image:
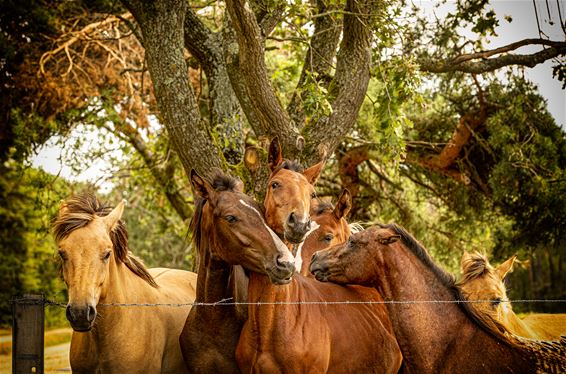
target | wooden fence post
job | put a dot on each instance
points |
(27, 334)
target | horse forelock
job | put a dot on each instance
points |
(78, 211)
(475, 266)
(224, 182)
(289, 165)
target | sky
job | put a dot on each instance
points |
(51, 156)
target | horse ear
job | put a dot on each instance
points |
(344, 204)
(275, 156)
(505, 268)
(466, 257)
(112, 219)
(389, 239)
(313, 172)
(201, 187)
(239, 185)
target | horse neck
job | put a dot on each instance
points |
(404, 277)
(219, 281)
(123, 286)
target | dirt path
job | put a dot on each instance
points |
(56, 357)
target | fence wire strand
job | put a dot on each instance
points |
(230, 302)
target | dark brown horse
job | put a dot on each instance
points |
(289, 194)
(435, 337)
(228, 231)
(289, 333)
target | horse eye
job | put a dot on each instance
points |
(107, 256)
(495, 302)
(275, 185)
(313, 195)
(62, 254)
(231, 219)
(328, 237)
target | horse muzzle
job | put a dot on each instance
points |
(81, 317)
(282, 272)
(296, 230)
(319, 268)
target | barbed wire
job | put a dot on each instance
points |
(230, 302)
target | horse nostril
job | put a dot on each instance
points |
(314, 257)
(90, 313)
(292, 219)
(69, 314)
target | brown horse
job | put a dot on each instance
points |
(289, 333)
(289, 194)
(443, 336)
(228, 230)
(330, 227)
(481, 281)
(98, 269)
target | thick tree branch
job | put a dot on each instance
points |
(273, 119)
(319, 58)
(225, 110)
(162, 25)
(465, 63)
(350, 83)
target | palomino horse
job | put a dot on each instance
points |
(481, 281)
(228, 230)
(288, 197)
(290, 330)
(435, 333)
(99, 269)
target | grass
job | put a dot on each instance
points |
(52, 337)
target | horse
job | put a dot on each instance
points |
(290, 330)
(290, 191)
(481, 281)
(231, 237)
(98, 270)
(436, 332)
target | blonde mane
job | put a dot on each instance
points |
(78, 211)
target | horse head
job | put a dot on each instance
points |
(236, 230)
(91, 239)
(290, 191)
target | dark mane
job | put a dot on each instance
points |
(485, 322)
(420, 251)
(223, 182)
(289, 165)
(78, 211)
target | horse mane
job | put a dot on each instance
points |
(78, 211)
(474, 267)
(486, 323)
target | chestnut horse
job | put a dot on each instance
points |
(228, 231)
(442, 336)
(288, 332)
(99, 269)
(289, 194)
(481, 281)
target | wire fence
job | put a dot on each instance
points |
(231, 302)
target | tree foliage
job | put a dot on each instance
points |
(409, 115)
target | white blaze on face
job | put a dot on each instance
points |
(298, 257)
(286, 255)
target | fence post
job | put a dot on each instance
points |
(27, 334)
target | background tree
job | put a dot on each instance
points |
(410, 116)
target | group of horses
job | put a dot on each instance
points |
(287, 287)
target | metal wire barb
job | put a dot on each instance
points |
(229, 302)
